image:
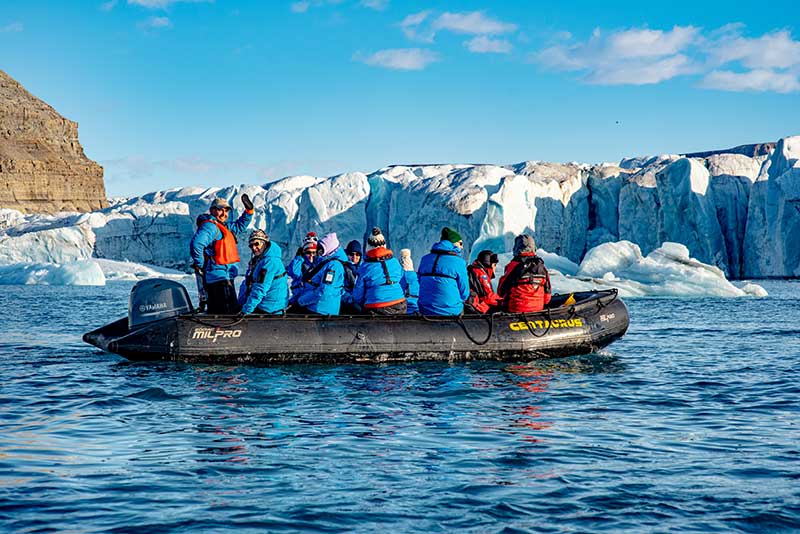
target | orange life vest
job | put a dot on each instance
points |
(225, 249)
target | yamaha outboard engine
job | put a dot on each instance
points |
(155, 299)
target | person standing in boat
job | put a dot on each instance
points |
(443, 281)
(525, 286)
(301, 264)
(409, 282)
(353, 253)
(482, 297)
(264, 289)
(215, 254)
(324, 283)
(377, 288)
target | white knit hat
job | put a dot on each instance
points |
(376, 239)
(405, 260)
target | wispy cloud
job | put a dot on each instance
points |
(637, 56)
(156, 23)
(424, 26)
(303, 6)
(164, 4)
(399, 58)
(775, 50)
(474, 23)
(486, 45)
(300, 7)
(378, 5)
(757, 80)
(725, 58)
(14, 27)
(108, 6)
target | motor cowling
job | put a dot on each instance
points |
(155, 299)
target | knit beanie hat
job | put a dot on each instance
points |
(310, 242)
(353, 247)
(328, 244)
(405, 260)
(524, 244)
(258, 235)
(487, 258)
(450, 235)
(376, 239)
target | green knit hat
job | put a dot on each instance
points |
(450, 235)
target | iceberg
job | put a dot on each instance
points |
(76, 273)
(737, 213)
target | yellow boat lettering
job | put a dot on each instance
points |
(543, 324)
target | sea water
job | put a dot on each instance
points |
(690, 423)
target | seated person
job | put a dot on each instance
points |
(353, 253)
(324, 283)
(264, 289)
(482, 297)
(377, 288)
(301, 264)
(525, 286)
(409, 282)
(443, 282)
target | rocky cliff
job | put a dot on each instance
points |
(42, 164)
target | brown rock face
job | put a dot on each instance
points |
(42, 164)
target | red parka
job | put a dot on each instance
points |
(525, 286)
(481, 293)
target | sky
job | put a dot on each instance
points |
(174, 93)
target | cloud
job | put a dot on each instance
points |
(400, 58)
(300, 7)
(411, 26)
(725, 58)
(423, 27)
(637, 56)
(108, 6)
(164, 4)
(486, 45)
(156, 23)
(758, 80)
(14, 27)
(474, 23)
(378, 5)
(772, 50)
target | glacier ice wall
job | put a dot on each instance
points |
(737, 213)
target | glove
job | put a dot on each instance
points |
(198, 270)
(248, 204)
(299, 251)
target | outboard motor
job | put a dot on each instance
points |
(155, 299)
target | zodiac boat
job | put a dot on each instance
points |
(163, 325)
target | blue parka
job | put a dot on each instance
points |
(201, 248)
(443, 280)
(265, 288)
(410, 284)
(296, 270)
(372, 289)
(323, 293)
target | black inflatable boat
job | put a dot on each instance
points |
(162, 325)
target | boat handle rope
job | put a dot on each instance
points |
(546, 330)
(490, 322)
(193, 318)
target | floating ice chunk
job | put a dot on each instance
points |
(755, 290)
(558, 263)
(609, 257)
(77, 273)
(126, 270)
(667, 271)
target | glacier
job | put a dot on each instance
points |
(733, 212)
